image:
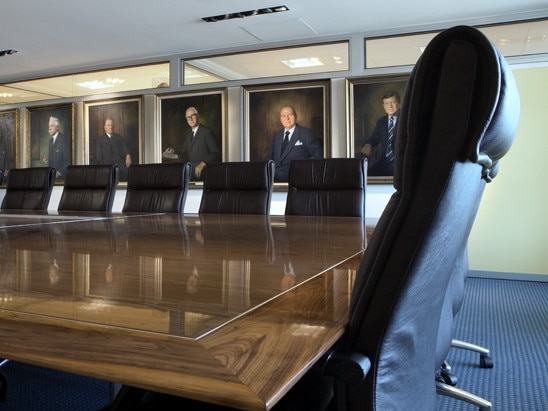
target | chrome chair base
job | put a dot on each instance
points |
(460, 394)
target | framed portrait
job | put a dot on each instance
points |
(45, 123)
(369, 121)
(262, 112)
(9, 139)
(174, 128)
(114, 133)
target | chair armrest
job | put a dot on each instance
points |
(351, 367)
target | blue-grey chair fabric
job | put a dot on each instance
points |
(327, 186)
(29, 188)
(157, 187)
(238, 188)
(89, 188)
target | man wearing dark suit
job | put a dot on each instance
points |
(291, 143)
(59, 153)
(110, 148)
(380, 147)
(199, 145)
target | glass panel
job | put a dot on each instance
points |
(517, 39)
(87, 84)
(321, 58)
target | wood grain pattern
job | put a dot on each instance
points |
(227, 309)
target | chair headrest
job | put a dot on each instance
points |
(462, 88)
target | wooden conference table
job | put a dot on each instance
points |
(222, 308)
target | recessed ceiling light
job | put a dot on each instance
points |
(95, 85)
(242, 14)
(304, 62)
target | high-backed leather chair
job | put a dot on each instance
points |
(498, 99)
(29, 188)
(327, 186)
(157, 187)
(89, 188)
(238, 188)
(458, 119)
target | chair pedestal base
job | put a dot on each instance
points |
(460, 394)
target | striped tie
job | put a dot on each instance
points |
(286, 140)
(389, 152)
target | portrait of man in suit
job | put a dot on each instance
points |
(305, 108)
(292, 142)
(7, 138)
(374, 115)
(380, 147)
(199, 146)
(51, 131)
(59, 153)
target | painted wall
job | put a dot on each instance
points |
(511, 229)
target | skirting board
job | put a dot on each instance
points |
(507, 276)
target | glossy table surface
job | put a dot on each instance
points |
(222, 308)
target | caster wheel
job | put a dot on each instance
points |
(486, 361)
(448, 378)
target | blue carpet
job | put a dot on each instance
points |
(510, 318)
(33, 388)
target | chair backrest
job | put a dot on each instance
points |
(160, 188)
(327, 186)
(89, 188)
(458, 118)
(238, 188)
(1, 176)
(29, 188)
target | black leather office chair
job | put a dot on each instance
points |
(157, 187)
(238, 188)
(1, 176)
(327, 186)
(29, 188)
(499, 100)
(458, 118)
(89, 188)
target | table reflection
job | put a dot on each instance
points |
(167, 273)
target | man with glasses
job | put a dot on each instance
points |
(380, 147)
(199, 145)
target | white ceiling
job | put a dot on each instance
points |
(63, 36)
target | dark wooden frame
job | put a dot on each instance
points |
(171, 116)
(38, 137)
(9, 140)
(262, 113)
(365, 108)
(127, 116)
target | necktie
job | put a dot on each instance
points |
(389, 153)
(286, 140)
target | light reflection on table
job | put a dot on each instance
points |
(214, 286)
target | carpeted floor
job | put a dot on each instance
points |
(509, 317)
(33, 388)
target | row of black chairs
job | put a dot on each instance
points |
(333, 186)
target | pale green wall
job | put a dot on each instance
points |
(511, 229)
